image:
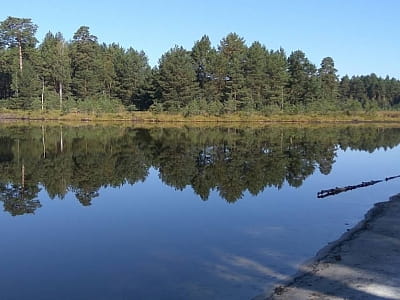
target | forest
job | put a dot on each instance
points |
(228, 161)
(83, 75)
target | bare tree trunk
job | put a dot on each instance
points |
(43, 142)
(23, 176)
(61, 139)
(61, 94)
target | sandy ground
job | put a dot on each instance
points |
(363, 264)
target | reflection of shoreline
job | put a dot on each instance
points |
(231, 161)
(279, 122)
(362, 264)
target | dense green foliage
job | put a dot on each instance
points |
(227, 160)
(83, 75)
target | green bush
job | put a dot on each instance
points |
(371, 106)
(195, 108)
(157, 108)
(215, 108)
(352, 105)
(294, 109)
(230, 106)
(102, 104)
(51, 101)
(269, 110)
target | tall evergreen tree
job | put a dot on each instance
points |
(107, 74)
(376, 90)
(18, 32)
(358, 90)
(177, 78)
(328, 79)
(28, 87)
(204, 59)
(7, 69)
(232, 50)
(55, 64)
(132, 71)
(201, 55)
(255, 69)
(85, 64)
(344, 88)
(278, 76)
(128, 74)
(392, 90)
(302, 79)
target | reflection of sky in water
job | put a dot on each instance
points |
(149, 241)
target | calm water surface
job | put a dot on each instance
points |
(216, 213)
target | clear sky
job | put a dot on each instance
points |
(362, 36)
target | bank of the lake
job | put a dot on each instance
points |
(137, 116)
(362, 264)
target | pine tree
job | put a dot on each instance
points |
(232, 50)
(255, 69)
(129, 74)
(18, 32)
(278, 76)
(55, 64)
(357, 89)
(328, 79)
(204, 59)
(177, 79)
(138, 71)
(7, 70)
(107, 74)
(201, 55)
(303, 86)
(85, 64)
(28, 87)
(344, 88)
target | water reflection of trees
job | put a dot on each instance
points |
(230, 161)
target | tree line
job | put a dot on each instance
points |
(229, 161)
(82, 74)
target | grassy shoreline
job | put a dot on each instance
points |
(146, 117)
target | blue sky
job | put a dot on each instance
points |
(361, 35)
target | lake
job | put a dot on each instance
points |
(117, 212)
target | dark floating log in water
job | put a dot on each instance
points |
(338, 190)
